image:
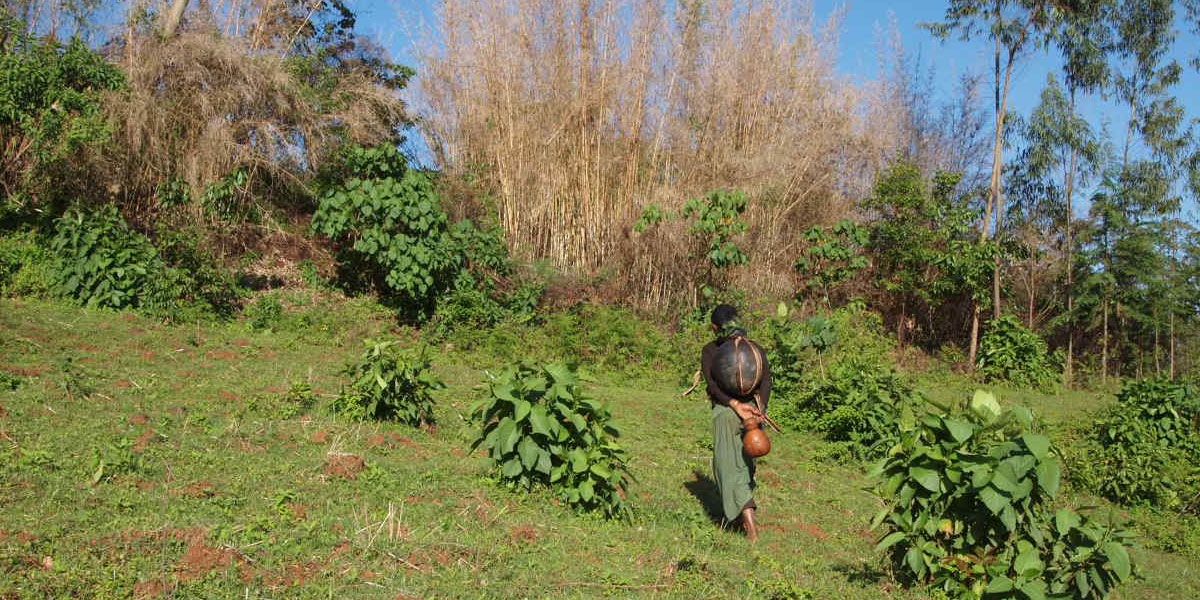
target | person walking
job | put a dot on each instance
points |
(732, 468)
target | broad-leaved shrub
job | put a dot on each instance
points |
(541, 430)
(1011, 353)
(389, 383)
(970, 511)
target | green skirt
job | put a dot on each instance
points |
(733, 470)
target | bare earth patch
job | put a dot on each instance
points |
(344, 465)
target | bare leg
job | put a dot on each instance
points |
(750, 524)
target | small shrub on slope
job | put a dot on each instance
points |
(102, 263)
(1145, 450)
(1012, 353)
(541, 431)
(969, 511)
(389, 383)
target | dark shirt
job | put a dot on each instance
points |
(716, 394)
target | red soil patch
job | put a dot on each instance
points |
(440, 557)
(124, 384)
(23, 371)
(128, 317)
(220, 354)
(227, 395)
(768, 478)
(299, 511)
(200, 559)
(458, 452)
(407, 443)
(3, 413)
(377, 440)
(88, 348)
(148, 356)
(198, 489)
(268, 354)
(291, 575)
(144, 485)
(320, 437)
(327, 356)
(344, 465)
(143, 440)
(524, 534)
(151, 589)
(813, 531)
(273, 389)
(137, 330)
(139, 419)
(186, 374)
(23, 537)
(241, 343)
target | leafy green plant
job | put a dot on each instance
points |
(830, 257)
(8, 381)
(298, 400)
(199, 287)
(101, 262)
(390, 231)
(1012, 353)
(50, 108)
(26, 266)
(389, 383)
(1145, 450)
(857, 402)
(114, 459)
(265, 313)
(541, 430)
(969, 510)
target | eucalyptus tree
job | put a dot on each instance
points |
(1016, 27)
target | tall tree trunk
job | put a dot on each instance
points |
(974, 347)
(1032, 291)
(1104, 349)
(174, 16)
(1070, 251)
(1172, 346)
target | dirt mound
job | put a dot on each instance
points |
(200, 559)
(344, 465)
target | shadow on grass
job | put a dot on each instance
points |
(705, 490)
(862, 574)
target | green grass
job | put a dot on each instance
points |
(200, 497)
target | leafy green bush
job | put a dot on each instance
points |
(298, 400)
(857, 402)
(26, 266)
(50, 108)
(202, 288)
(1145, 450)
(389, 383)
(265, 313)
(102, 263)
(604, 338)
(1012, 353)
(540, 430)
(390, 230)
(830, 257)
(831, 375)
(969, 510)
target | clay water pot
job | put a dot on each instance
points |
(737, 366)
(755, 441)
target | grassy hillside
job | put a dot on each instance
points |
(146, 460)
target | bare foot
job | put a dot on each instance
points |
(750, 525)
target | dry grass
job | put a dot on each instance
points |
(579, 114)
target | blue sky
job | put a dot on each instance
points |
(398, 24)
